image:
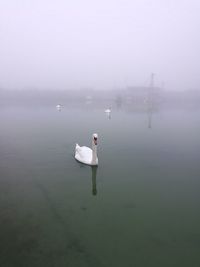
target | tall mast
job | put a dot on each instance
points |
(152, 80)
(151, 90)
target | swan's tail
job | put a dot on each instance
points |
(77, 147)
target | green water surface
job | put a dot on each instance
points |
(140, 207)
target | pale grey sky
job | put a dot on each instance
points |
(99, 44)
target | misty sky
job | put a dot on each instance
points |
(99, 44)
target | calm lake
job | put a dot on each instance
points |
(140, 207)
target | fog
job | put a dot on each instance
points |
(99, 44)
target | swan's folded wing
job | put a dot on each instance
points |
(85, 152)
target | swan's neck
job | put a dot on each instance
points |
(94, 153)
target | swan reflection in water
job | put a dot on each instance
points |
(108, 115)
(94, 176)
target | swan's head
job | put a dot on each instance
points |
(94, 138)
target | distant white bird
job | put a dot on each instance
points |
(87, 155)
(108, 113)
(108, 110)
(58, 107)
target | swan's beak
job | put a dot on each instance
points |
(95, 141)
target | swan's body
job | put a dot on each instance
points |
(87, 155)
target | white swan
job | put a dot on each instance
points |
(108, 110)
(87, 155)
(59, 107)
